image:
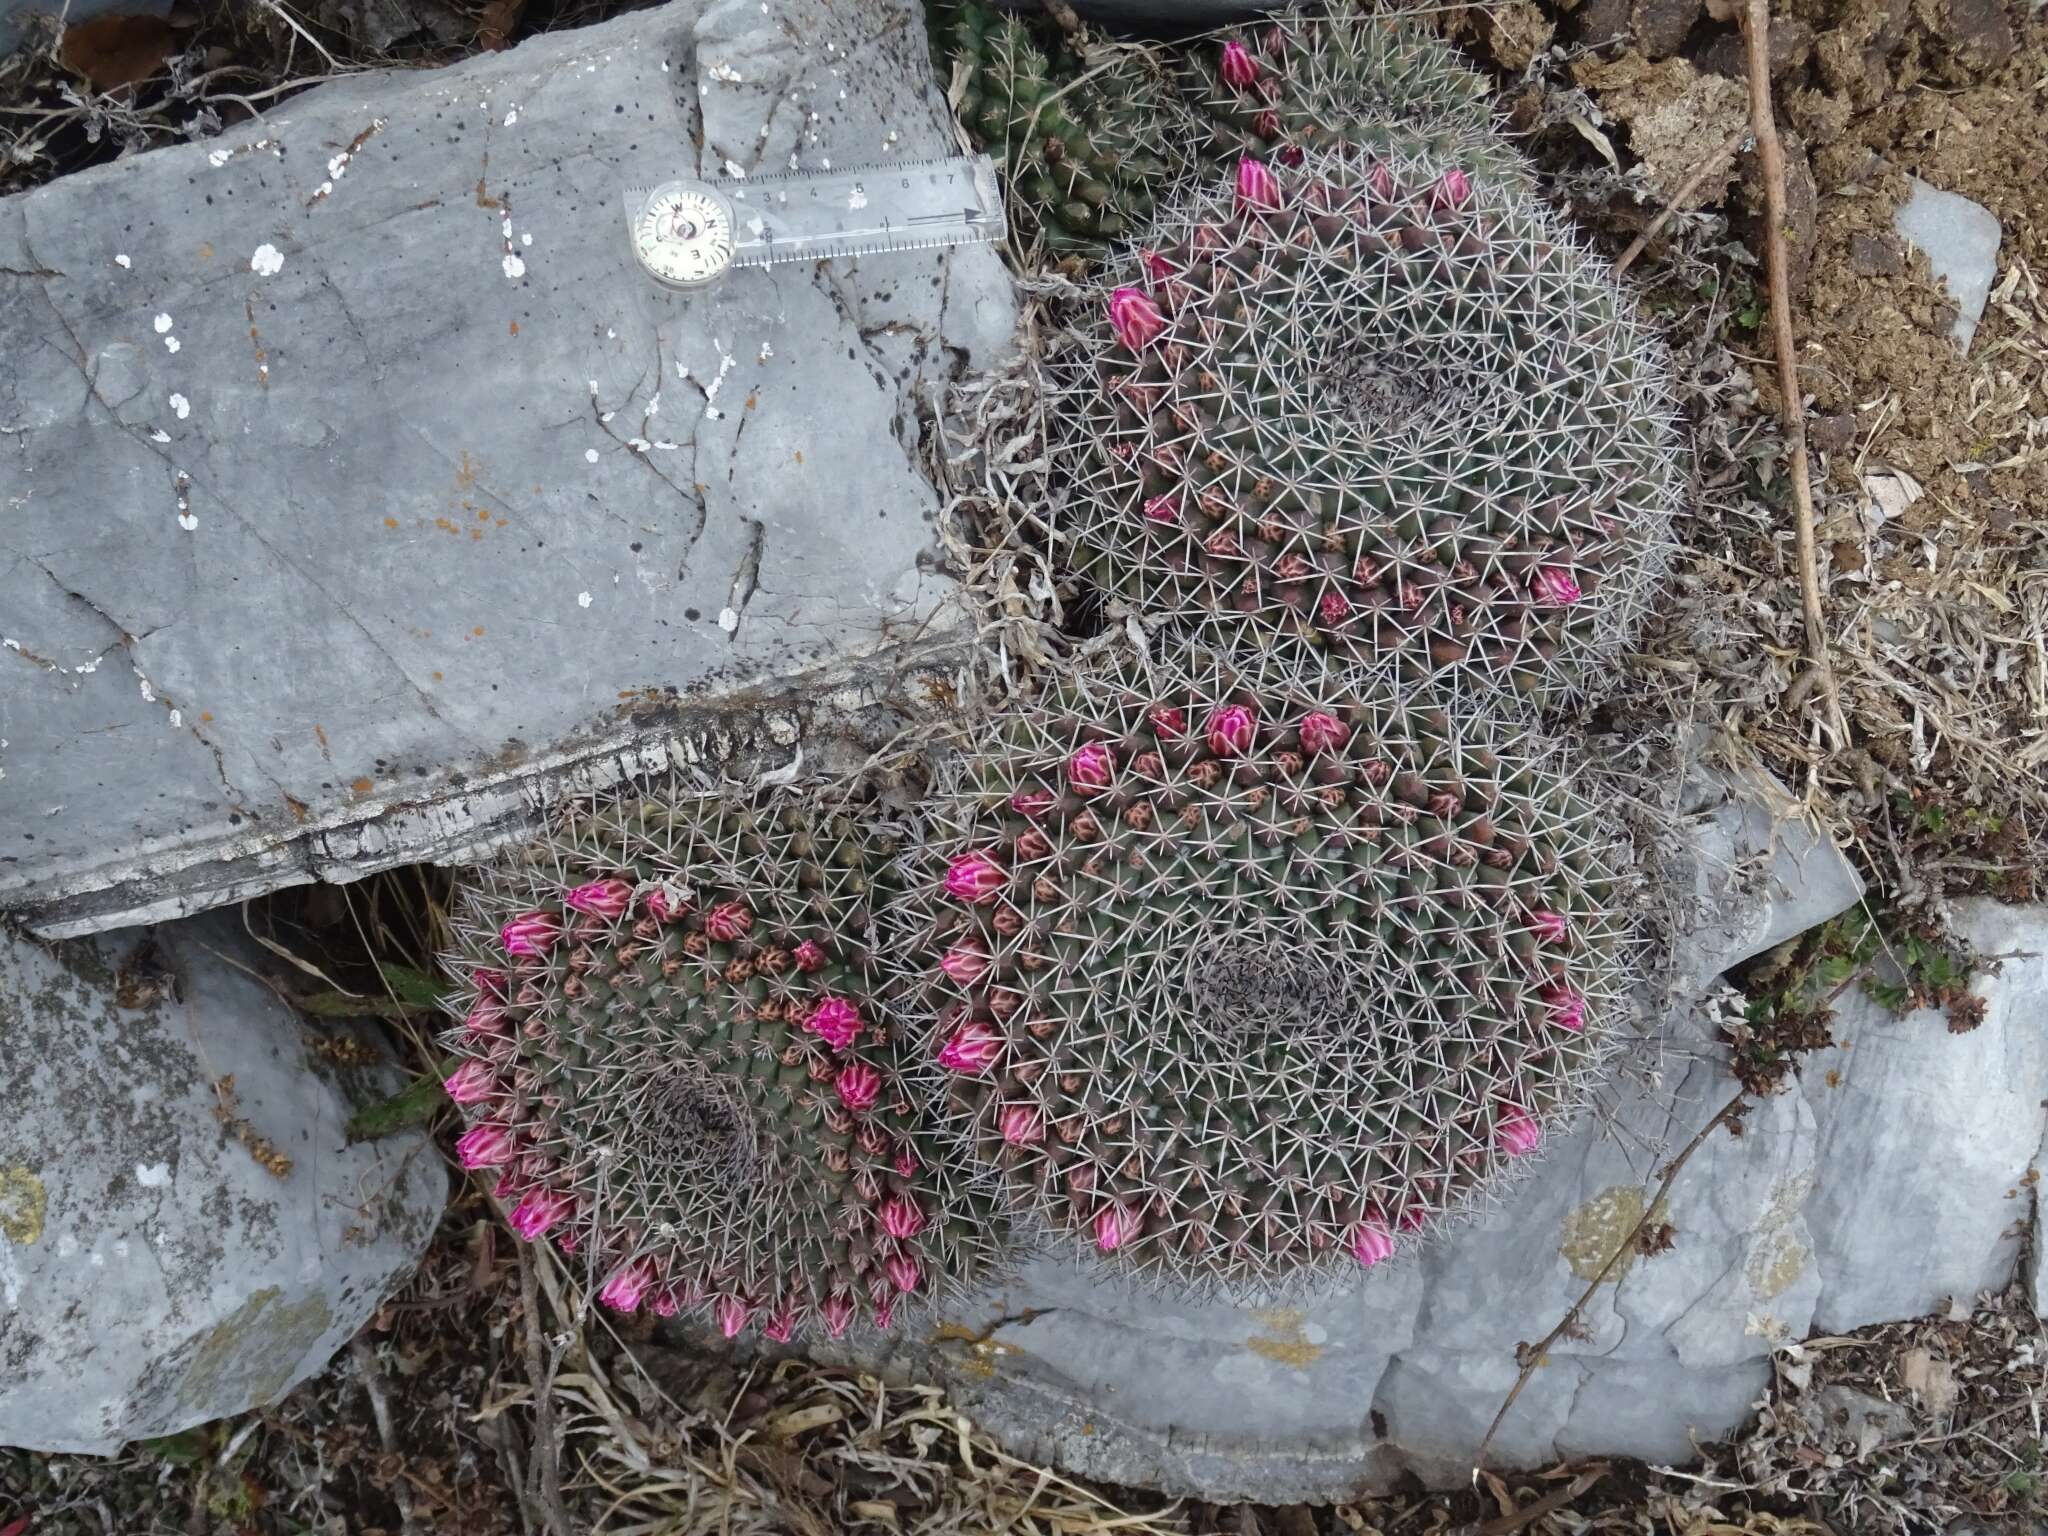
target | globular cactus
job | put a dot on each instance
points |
(1377, 408)
(673, 1052)
(1240, 976)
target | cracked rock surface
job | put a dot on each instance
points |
(184, 1233)
(350, 467)
(1892, 1173)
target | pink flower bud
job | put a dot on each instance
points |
(1556, 586)
(965, 963)
(1167, 721)
(973, 1048)
(1157, 267)
(729, 920)
(534, 934)
(1114, 1226)
(1550, 926)
(1031, 802)
(1290, 155)
(1275, 41)
(1322, 732)
(885, 1313)
(975, 878)
(1414, 1216)
(838, 1313)
(1240, 69)
(486, 1016)
(902, 1217)
(1135, 318)
(904, 1273)
(1334, 609)
(1371, 1243)
(858, 1086)
(731, 1314)
(510, 1185)
(471, 1083)
(489, 983)
(1267, 124)
(809, 956)
(1381, 180)
(629, 1282)
(1163, 509)
(1091, 768)
(1451, 190)
(1256, 188)
(600, 898)
(537, 1211)
(1231, 730)
(1022, 1125)
(484, 1145)
(1516, 1132)
(781, 1325)
(667, 1302)
(665, 906)
(569, 1240)
(835, 1021)
(1567, 1008)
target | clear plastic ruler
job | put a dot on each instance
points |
(689, 234)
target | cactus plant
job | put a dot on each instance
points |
(1373, 406)
(1239, 974)
(672, 1051)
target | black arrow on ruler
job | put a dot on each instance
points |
(964, 216)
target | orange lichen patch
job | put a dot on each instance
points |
(437, 677)
(296, 806)
(483, 514)
(206, 250)
(320, 735)
(445, 526)
(515, 327)
(752, 401)
(206, 717)
(798, 455)
(465, 472)
(360, 786)
(390, 522)
(478, 631)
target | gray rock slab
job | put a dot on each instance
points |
(354, 481)
(1960, 239)
(1888, 1174)
(154, 1273)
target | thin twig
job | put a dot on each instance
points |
(364, 1353)
(1549, 1504)
(547, 1445)
(1532, 1357)
(1690, 185)
(1756, 33)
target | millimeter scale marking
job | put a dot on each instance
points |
(688, 234)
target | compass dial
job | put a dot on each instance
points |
(682, 235)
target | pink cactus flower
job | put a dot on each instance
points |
(1516, 1131)
(1323, 732)
(1091, 768)
(471, 1083)
(1031, 802)
(1240, 69)
(904, 1272)
(965, 963)
(538, 1210)
(1550, 926)
(1232, 729)
(1256, 188)
(1451, 190)
(902, 1217)
(1334, 609)
(1556, 586)
(600, 898)
(858, 1086)
(1567, 1008)
(628, 1283)
(731, 1314)
(1371, 1243)
(835, 1021)
(532, 935)
(1163, 509)
(972, 1049)
(1022, 1125)
(1114, 1226)
(1135, 318)
(781, 1325)
(486, 1144)
(838, 1312)
(976, 879)
(665, 906)
(486, 1016)
(1167, 721)
(729, 920)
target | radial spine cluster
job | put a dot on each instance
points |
(1233, 971)
(673, 1052)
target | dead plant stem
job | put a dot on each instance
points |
(1686, 189)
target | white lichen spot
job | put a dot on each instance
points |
(606, 416)
(181, 406)
(826, 161)
(610, 334)
(527, 238)
(267, 261)
(148, 693)
(188, 521)
(123, 263)
(725, 72)
(732, 169)
(663, 445)
(153, 1175)
(323, 190)
(590, 455)
(582, 599)
(857, 198)
(337, 166)
(220, 157)
(756, 225)
(177, 719)
(515, 267)
(162, 323)
(766, 352)
(171, 343)
(512, 117)
(638, 444)
(159, 435)
(654, 403)
(728, 620)
(682, 370)
(506, 226)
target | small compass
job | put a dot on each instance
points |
(682, 234)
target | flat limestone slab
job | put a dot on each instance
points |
(353, 482)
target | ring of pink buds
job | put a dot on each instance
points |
(676, 1064)
(1234, 974)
